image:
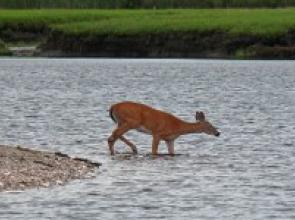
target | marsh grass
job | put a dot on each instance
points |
(3, 49)
(265, 22)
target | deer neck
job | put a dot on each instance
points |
(188, 128)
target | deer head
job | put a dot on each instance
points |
(206, 126)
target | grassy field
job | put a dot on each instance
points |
(231, 20)
(93, 31)
(113, 22)
(26, 4)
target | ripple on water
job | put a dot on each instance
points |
(247, 173)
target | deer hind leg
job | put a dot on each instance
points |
(170, 146)
(117, 133)
(131, 145)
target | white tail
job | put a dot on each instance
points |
(161, 125)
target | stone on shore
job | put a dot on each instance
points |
(23, 168)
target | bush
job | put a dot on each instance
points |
(3, 49)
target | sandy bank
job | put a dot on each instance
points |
(22, 168)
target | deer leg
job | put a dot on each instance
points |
(170, 146)
(131, 145)
(117, 133)
(155, 146)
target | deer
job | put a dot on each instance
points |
(160, 124)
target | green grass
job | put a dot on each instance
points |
(98, 22)
(49, 16)
(3, 49)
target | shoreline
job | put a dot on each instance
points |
(198, 45)
(25, 168)
(175, 33)
(201, 45)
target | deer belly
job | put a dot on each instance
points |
(143, 130)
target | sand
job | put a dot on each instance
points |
(23, 168)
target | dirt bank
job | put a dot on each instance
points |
(23, 168)
(207, 44)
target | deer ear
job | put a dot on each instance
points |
(200, 116)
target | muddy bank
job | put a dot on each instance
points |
(209, 44)
(23, 168)
(206, 44)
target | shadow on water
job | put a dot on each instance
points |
(131, 156)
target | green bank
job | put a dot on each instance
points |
(3, 49)
(214, 33)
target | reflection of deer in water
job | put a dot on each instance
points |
(161, 125)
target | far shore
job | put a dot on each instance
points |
(173, 33)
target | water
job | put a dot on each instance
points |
(247, 173)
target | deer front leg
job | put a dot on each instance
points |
(155, 146)
(117, 133)
(131, 145)
(170, 146)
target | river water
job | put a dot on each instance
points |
(246, 173)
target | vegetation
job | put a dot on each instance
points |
(237, 29)
(253, 22)
(236, 21)
(143, 3)
(3, 49)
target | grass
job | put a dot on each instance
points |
(3, 49)
(98, 22)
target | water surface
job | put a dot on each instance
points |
(247, 173)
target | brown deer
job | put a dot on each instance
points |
(161, 125)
